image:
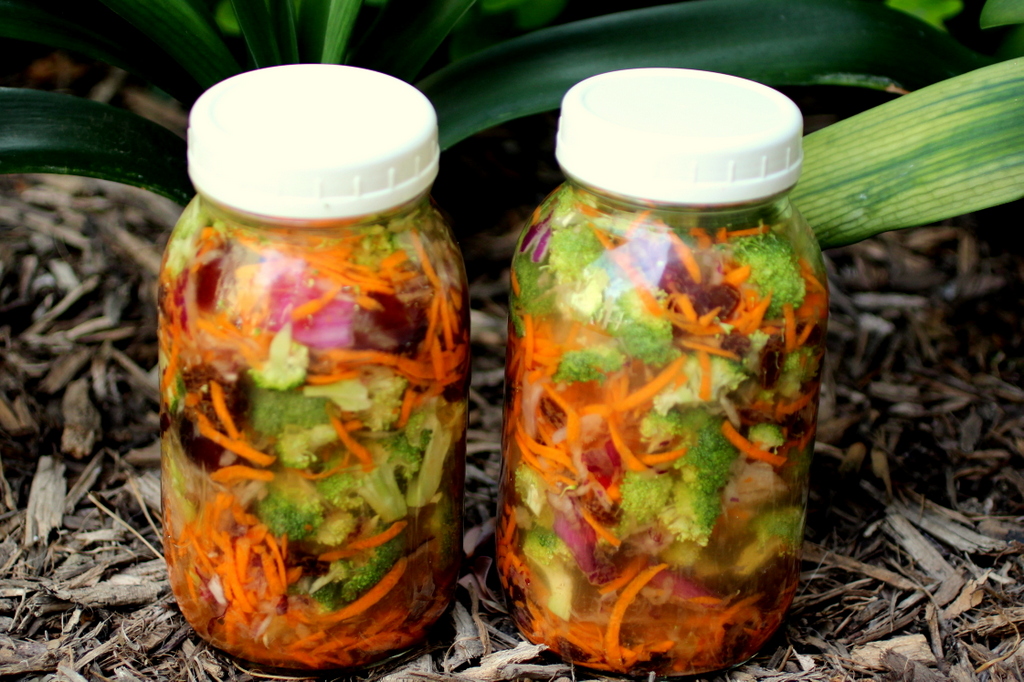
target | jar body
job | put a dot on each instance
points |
(659, 421)
(313, 412)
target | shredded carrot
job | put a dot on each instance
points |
(805, 333)
(374, 595)
(693, 345)
(322, 379)
(721, 235)
(361, 453)
(357, 546)
(408, 401)
(552, 453)
(686, 307)
(515, 282)
(790, 333)
(651, 389)
(601, 531)
(685, 255)
(586, 209)
(238, 472)
(752, 232)
(632, 463)
(310, 308)
(243, 450)
(572, 419)
(428, 268)
(628, 573)
(369, 303)
(800, 403)
(611, 637)
(738, 276)
(528, 340)
(705, 375)
(221, 408)
(703, 240)
(748, 448)
(607, 243)
(663, 457)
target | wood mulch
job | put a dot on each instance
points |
(913, 561)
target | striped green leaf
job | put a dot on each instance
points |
(778, 42)
(1002, 12)
(258, 31)
(282, 14)
(186, 31)
(418, 26)
(945, 150)
(44, 132)
(89, 27)
(325, 27)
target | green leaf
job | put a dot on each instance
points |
(407, 34)
(951, 148)
(282, 13)
(1002, 12)
(87, 26)
(325, 27)
(258, 29)
(186, 31)
(934, 12)
(778, 42)
(44, 132)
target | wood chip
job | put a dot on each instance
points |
(114, 594)
(45, 500)
(467, 646)
(917, 546)
(64, 370)
(1009, 621)
(914, 647)
(508, 664)
(819, 555)
(81, 420)
(18, 656)
(971, 597)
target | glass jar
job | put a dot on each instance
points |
(661, 382)
(314, 355)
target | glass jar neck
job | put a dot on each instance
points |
(241, 218)
(769, 210)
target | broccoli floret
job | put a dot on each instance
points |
(798, 368)
(297, 446)
(589, 364)
(291, 508)
(766, 436)
(380, 490)
(286, 363)
(348, 579)
(351, 395)
(181, 247)
(445, 420)
(531, 489)
(385, 390)
(336, 528)
(376, 245)
(773, 269)
(416, 429)
(644, 494)
(271, 411)
(341, 490)
(396, 449)
(552, 561)
(643, 335)
(571, 250)
(703, 471)
(535, 294)
(786, 524)
(726, 376)
(662, 429)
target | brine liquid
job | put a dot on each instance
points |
(714, 428)
(313, 432)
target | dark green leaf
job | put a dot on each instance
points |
(325, 27)
(934, 12)
(779, 42)
(44, 132)
(1002, 12)
(89, 27)
(258, 29)
(951, 148)
(186, 31)
(407, 34)
(282, 13)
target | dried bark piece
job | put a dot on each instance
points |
(81, 420)
(510, 664)
(906, 669)
(913, 647)
(20, 656)
(45, 500)
(114, 593)
(918, 547)
(64, 370)
(467, 645)
(817, 554)
(15, 419)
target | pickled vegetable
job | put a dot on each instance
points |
(663, 372)
(314, 392)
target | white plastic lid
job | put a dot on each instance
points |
(680, 136)
(312, 141)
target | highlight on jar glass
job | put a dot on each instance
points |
(314, 354)
(667, 331)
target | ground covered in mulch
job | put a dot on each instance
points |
(913, 561)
